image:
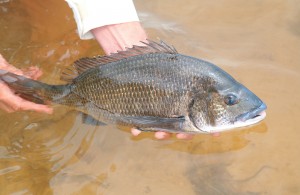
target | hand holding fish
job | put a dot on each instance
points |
(121, 35)
(11, 102)
(164, 135)
(115, 36)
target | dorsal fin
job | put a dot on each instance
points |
(84, 64)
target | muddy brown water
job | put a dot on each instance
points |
(258, 42)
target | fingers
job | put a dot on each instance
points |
(158, 135)
(6, 108)
(11, 68)
(3, 62)
(217, 134)
(10, 102)
(184, 136)
(33, 72)
(16, 103)
(135, 132)
(26, 105)
(163, 135)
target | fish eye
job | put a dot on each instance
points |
(231, 99)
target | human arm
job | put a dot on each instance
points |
(117, 37)
(115, 25)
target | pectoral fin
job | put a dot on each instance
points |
(151, 123)
(87, 119)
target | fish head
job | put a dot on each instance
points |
(225, 105)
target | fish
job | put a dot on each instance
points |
(150, 87)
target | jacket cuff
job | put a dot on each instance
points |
(90, 14)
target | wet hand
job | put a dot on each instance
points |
(117, 37)
(9, 101)
(163, 135)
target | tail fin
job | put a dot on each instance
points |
(32, 90)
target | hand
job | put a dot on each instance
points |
(117, 37)
(163, 135)
(10, 102)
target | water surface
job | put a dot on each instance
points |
(258, 42)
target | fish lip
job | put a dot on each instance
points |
(259, 111)
(252, 117)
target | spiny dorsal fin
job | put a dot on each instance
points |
(84, 64)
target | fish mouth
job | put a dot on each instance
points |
(249, 118)
(253, 116)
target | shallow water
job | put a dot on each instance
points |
(258, 42)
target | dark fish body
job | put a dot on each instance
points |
(151, 88)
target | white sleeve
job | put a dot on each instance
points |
(90, 14)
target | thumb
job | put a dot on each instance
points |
(33, 72)
(26, 105)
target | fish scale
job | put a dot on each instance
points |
(152, 88)
(121, 93)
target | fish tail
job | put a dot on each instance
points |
(32, 90)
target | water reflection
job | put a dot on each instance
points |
(208, 144)
(65, 155)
